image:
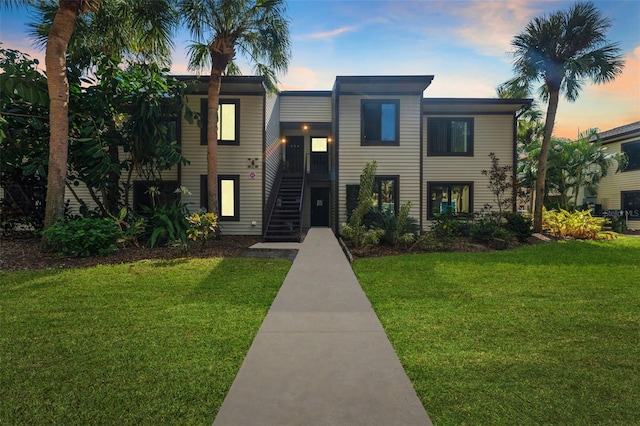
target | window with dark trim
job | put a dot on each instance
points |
(454, 197)
(228, 196)
(450, 136)
(228, 121)
(632, 151)
(380, 122)
(163, 192)
(385, 193)
(631, 204)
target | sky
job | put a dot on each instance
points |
(465, 45)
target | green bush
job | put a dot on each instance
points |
(165, 225)
(83, 237)
(355, 232)
(449, 226)
(203, 227)
(488, 231)
(397, 229)
(520, 226)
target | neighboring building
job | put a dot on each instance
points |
(619, 193)
(273, 148)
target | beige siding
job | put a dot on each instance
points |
(611, 186)
(402, 160)
(312, 109)
(492, 133)
(273, 147)
(232, 160)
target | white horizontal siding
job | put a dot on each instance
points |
(312, 109)
(232, 160)
(492, 133)
(402, 160)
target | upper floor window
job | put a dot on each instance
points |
(380, 122)
(632, 151)
(228, 121)
(450, 136)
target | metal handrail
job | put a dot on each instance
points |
(304, 183)
(273, 197)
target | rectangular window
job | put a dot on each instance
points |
(450, 136)
(385, 193)
(319, 144)
(454, 197)
(631, 203)
(228, 196)
(228, 121)
(380, 122)
(632, 151)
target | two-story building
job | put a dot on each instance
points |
(292, 160)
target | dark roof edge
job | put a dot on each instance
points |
(618, 132)
(494, 101)
(255, 79)
(310, 93)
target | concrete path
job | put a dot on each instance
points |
(321, 356)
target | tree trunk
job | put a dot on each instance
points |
(58, 85)
(542, 159)
(213, 99)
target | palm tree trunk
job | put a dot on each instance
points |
(58, 85)
(213, 98)
(542, 159)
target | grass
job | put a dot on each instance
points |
(145, 343)
(545, 334)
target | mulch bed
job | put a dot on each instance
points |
(22, 252)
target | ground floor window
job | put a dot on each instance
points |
(631, 203)
(228, 196)
(454, 197)
(385, 193)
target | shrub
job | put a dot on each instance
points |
(355, 232)
(398, 229)
(449, 226)
(83, 237)
(165, 225)
(486, 230)
(520, 226)
(579, 224)
(203, 227)
(132, 227)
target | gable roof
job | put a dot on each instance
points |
(617, 133)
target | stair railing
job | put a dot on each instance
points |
(273, 197)
(301, 205)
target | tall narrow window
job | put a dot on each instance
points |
(228, 121)
(450, 136)
(228, 196)
(380, 122)
(632, 151)
(385, 193)
(449, 197)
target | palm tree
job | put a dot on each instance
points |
(258, 29)
(139, 27)
(563, 51)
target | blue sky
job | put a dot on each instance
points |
(464, 44)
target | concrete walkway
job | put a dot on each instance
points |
(321, 356)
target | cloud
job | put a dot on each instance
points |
(330, 34)
(302, 78)
(489, 26)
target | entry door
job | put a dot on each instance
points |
(319, 206)
(295, 154)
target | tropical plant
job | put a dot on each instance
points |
(398, 229)
(501, 184)
(519, 225)
(356, 231)
(203, 227)
(142, 31)
(578, 224)
(574, 165)
(257, 29)
(562, 50)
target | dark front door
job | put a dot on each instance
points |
(319, 206)
(295, 154)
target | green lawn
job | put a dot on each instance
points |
(156, 342)
(546, 334)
